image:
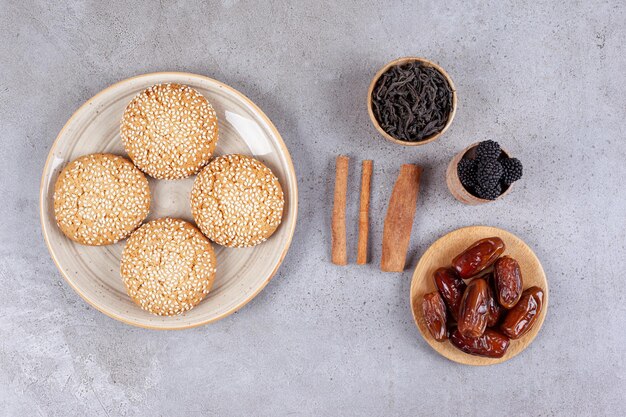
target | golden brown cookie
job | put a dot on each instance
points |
(169, 131)
(168, 266)
(237, 201)
(100, 199)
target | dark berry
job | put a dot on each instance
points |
(467, 172)
(488, 193)
(488, 149)
(488, 173)
(512, 170)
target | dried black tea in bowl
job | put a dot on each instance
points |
(412, 101)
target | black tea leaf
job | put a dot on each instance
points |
(412, 101)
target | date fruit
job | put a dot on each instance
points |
(451, 288)
(478, 257)
(521, 318)
(434, 311)
(508, 281)
(491, 344)
(474, 307)
(494, 310)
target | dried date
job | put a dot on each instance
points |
(494, 310)
(491, 344)
(478, 257)
(474, 307)
(521, 318)
(508, 281)
(434, 311)
(451, 288)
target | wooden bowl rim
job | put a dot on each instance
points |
(467, 359)
(401, 61)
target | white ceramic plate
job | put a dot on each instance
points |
(93, 272)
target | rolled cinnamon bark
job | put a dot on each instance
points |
(339, 254)
(366, 178)
(399, 219)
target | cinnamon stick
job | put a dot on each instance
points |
(399, 219)
(364, 209)
(339, 254)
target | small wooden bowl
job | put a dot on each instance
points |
(454, 183)
(401, 61)
(441, 253)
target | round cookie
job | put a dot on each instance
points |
(169, 131)
(237, 201)
(100, 199)
(168, 266)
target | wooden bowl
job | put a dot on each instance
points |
(401, 61)
(94, 271)
(441, 253)
(454, 183)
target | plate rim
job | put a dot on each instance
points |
(478, 360)
(291, 174)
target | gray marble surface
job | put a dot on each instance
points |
(545, 78)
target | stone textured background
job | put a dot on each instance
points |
(545, 78)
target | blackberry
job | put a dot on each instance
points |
(488, 193)
(488, 173)
(467, 172)
(488, 149)
(512, 170)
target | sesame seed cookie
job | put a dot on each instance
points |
(169, 131)
(237, 201)
(168, 266)
(100, 199)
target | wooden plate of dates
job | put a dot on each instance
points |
(479, 295)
